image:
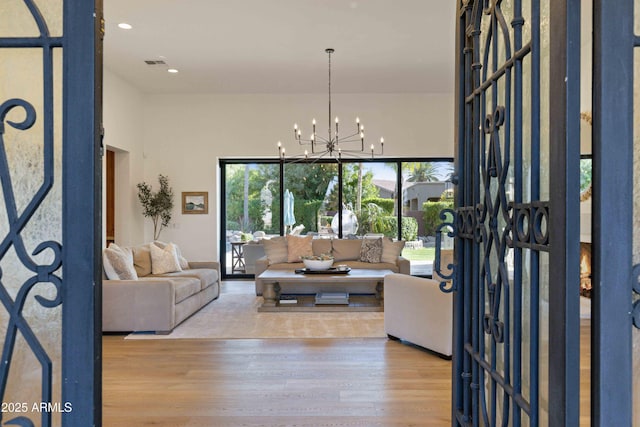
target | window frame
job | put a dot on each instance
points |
(224, 162)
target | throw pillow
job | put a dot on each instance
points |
(371, 250)
(391, 250)
(164, 260)
(346, 249)
(118, 263)
(184, 264)
(321, 246)
(142, 259)
(276, 250)
(298, 247)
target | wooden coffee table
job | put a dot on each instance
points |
(324, 283)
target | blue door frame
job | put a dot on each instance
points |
(82, 213)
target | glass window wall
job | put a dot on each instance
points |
(395, 198)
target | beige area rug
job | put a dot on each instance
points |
(235, 315)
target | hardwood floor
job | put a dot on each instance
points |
(273, 382)
(282, 382)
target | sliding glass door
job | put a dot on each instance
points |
(395, 198)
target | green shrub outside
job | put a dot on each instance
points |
(233, 225)
(386, 204)
(409, 228)
(307, 214)
(431, 215)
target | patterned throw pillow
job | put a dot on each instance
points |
(276, 250)
(164, 260)
(118, 263)
(391, 250)
(298, 247)
(371, 250)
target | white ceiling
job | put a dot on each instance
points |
(277, 46)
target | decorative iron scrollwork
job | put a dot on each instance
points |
(449, 228)
(465, 222)
(636, 289)
(492, 324)
(18, 220)
(529, 225)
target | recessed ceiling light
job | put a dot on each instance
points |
(125, 26)
(172, 70)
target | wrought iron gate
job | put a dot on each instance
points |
(50, 172)
(503, 225)
(516, 277)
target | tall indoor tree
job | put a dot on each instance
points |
(157, 205)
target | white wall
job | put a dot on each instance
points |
(185, 135)
(122, 115)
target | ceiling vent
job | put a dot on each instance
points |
(154, 62)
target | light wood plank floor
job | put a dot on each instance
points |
(282, 382)
(273, 382)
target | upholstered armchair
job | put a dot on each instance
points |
(417, 311)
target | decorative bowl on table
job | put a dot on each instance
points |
(318, 262)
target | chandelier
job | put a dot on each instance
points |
(335, 146)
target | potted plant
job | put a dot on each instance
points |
(157, 205)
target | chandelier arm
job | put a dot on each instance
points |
(344, 141)
(351, 136)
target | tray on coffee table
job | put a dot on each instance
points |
(331, 270)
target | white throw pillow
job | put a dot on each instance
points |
(276, 250)
(164, 260)
(118, 263)
(184, 264)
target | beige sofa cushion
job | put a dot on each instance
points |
(391, 250)
(297, 247)
(206, 277)
(276, 249)
(321, 246)
(345, 250)
(185, 288)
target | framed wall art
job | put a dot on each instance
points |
(195, 202)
